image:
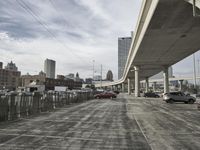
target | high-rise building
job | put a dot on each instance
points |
(97, 78)
(11, 66)
(124, 44)
(109, 75)
(49, 68)
(1, 65)
(9, 77)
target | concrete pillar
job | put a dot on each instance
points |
(111, 87)
(181, 85)
(154, 86)
(166, 80)
(137, 81)
(146, 84)
(123, 88)
(129, 86)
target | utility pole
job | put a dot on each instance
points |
(198, 71)
(194, 73)
(101, 75)
(93, 70)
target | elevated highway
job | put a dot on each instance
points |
(167, 31)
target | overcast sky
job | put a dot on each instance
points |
(71, 32)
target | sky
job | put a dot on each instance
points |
(71, 32)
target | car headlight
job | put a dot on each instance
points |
(165, 97)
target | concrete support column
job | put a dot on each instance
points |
(129, 86)
(154, 86)
(114, 87)
(181, 85)
(166, 80)
(146, 84)
(111, 87)
(137, 81)
(123, 88)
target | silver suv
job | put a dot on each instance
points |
(178, 97)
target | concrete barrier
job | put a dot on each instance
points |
(16, 105)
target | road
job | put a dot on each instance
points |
(122, 123)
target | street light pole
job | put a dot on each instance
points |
(198, 71)
(194, 73)
(101, 75)
(93, 70)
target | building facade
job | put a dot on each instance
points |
(9, 77)
(97, 78)
(124, 44)
(49, 83)
(109, 75)
(11, 66)
(50, 68)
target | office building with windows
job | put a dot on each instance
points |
(9, 77)
(124, 44)
(49, 68)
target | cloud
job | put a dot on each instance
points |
(72, 32)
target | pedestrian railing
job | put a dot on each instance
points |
(16, 105)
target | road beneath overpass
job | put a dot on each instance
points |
(122, 123)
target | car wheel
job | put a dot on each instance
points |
(98, 97)
(191, 101)
(170, 101)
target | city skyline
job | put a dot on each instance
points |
(32, 31)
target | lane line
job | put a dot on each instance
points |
(141, 129)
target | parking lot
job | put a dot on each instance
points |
(122, 123)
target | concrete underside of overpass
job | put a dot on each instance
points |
(172, 34)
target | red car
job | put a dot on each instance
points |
(105, 95)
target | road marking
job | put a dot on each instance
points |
(141, 130)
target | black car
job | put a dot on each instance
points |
(116, 92)
(151, 94)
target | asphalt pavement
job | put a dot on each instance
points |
(105, 124)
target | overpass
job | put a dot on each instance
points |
(167, 31)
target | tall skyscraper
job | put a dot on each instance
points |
(49, 68)
(124, 44)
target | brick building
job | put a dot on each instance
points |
(9, 77)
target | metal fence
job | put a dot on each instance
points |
(14, 106)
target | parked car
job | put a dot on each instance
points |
(198, 106)
(116, 92)
(178, 97)
(151, 94)
(105, 95)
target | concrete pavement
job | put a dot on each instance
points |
(122, 123)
